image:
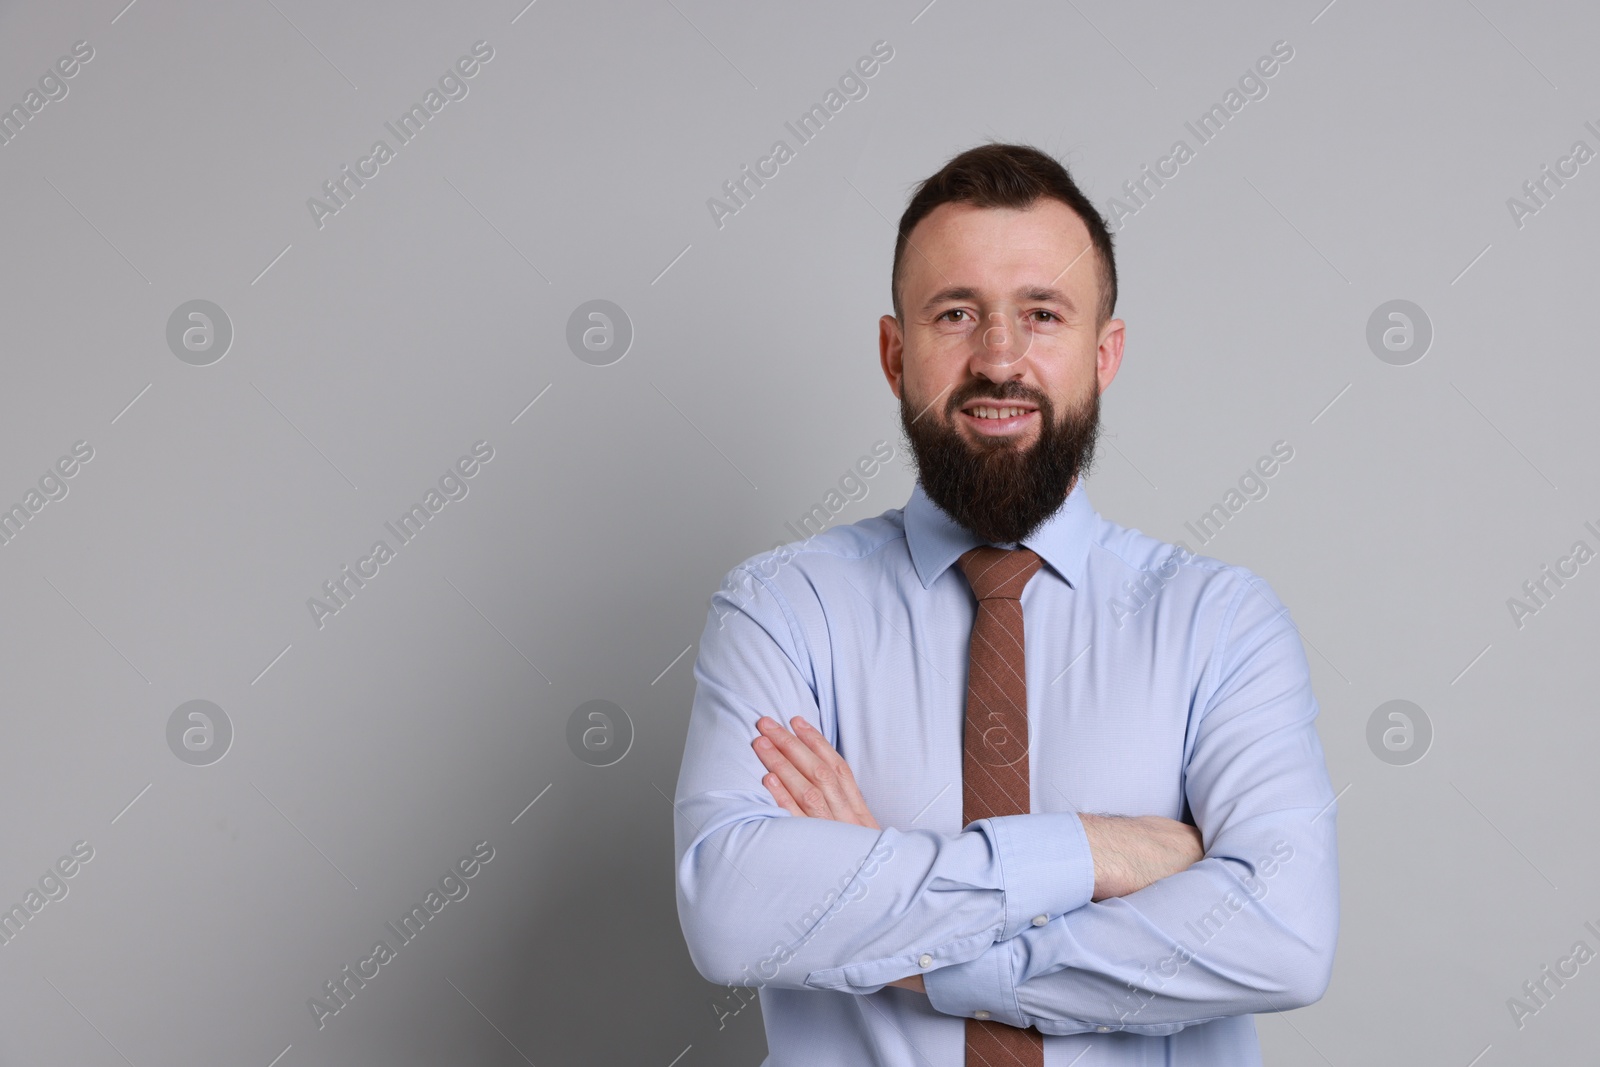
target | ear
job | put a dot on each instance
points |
(891, 353)
(1108, 357)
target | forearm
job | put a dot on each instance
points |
(1127, 853)
(1249, 929)
(813, 904)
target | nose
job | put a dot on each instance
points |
(996, 338)
(1004, 341)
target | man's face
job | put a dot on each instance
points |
(1000, 313)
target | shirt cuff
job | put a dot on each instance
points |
(982, 988)
(873, 975)
(1045, 865)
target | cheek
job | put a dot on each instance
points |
(1072, 388)
(916, 392)
(1065, 380)
(931, 371)
(1081, 367)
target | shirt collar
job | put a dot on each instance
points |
(936, 540)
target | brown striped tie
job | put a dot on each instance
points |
(994, 755)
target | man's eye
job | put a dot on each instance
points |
(1049, 316)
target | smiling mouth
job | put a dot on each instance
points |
(997, 411)
(998, 419)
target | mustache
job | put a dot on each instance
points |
(1011, 391)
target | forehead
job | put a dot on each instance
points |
(987, 247)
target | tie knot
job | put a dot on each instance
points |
(999, 573)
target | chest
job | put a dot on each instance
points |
(1109, 710)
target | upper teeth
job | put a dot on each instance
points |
(997, 413)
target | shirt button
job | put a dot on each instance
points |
(1040, 920)
(980, 1014)
(1102, 1029)
(924, 960)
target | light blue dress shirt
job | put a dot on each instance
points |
(1159, 683)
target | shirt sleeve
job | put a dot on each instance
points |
(1252, 926)
(769, 898)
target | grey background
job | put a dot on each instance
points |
(369, 354)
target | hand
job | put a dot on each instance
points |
(808, 777)
(911, 981)
(1132, 852)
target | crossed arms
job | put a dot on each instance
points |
(1128, 853)
(1065, 921)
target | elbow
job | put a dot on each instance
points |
(1300, 994)
(726, 963)
(732, 936)
(715, 949)
(723, 949)
(730, 955)
(718, 967)
(1306, 980)
(1313, 985)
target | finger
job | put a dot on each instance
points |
(781, 795)
(810, 798)
(848, 777)
(849, 792)
(797, 751)
(773, 760)
(826, 769)
(820, 777)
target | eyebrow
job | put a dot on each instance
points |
(1047, 294)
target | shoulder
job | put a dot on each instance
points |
(1225, 592)
(791, 573)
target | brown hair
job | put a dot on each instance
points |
(1009, 176)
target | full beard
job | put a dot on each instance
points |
(1000, 491)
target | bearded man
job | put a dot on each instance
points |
(943, 799)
